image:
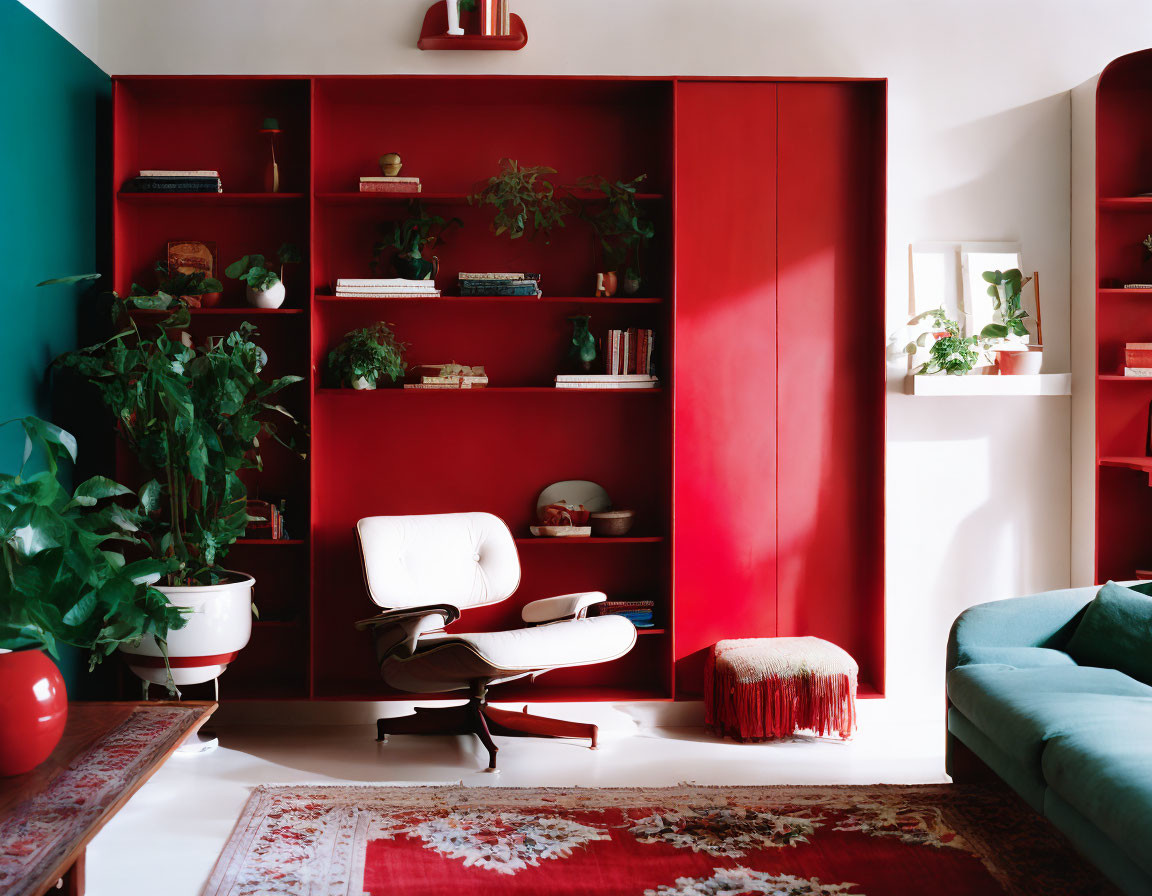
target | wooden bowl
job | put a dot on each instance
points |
(613, 522)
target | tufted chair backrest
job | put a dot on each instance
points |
(462, 559)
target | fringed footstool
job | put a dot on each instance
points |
(764, 688)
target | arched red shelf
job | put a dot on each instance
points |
(434, 32)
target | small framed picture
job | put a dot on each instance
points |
(192, 256)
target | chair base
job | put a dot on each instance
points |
(477, 717)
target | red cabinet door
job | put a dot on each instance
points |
(724, 369)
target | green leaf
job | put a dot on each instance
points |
(100, 487)
(994, 331)
(75, 278)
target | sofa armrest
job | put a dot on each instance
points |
(553, 609)
(1038, 620)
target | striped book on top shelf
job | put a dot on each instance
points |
(605, 381)
(386, 288)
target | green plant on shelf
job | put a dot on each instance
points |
(583, 347)
(257, 273)
(948, 351)
(1004, 288)
(408, 239)
(621, 225)
(525, 201)
(194, 416)
(366, 356)
(66, 579)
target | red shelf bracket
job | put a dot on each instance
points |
(434, 32)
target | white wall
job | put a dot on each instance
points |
(979, 148)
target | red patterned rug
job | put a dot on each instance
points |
(685, 841)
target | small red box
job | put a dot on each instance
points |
(1138, 354)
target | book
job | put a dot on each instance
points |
(178, 185)
(392, 283)
(390, 290)
(487, 9)
(1138, 354)
(475, 381)
(390, 180)
(389, 295)
(651, 338)
(479, 284)
(651, 384)
(166, 173)
(1138, 371)
(390, 188)
(506, 276)
(1137, 286)
(603, 378)
(440, 386)
(530, 290)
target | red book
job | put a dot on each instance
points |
(630, 361)
(385, 187)
(1138, 354)
(488, 14)
(642, 352)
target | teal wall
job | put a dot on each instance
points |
(54, 104)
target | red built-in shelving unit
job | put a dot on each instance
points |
(756, 470)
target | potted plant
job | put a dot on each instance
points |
(66, 581)
(409, 238)
(621, 225)
(194, 417)
(265, 285)
(1014, 355)
(366, 356)
(524, 199)
(950, 353)
(195, 289)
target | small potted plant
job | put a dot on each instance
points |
(583, 350)
(365, 357)
(265, 284)
(1014, 355)
(194, 417)
(66, 581)
(408, 240)
(622, 227)
(525, 201)
(196, 290)
(948, 352)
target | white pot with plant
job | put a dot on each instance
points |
(264, 284)
(366, 357)
(194, 417)
(1008, 333)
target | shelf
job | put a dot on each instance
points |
(1139, 464)
(590, 539)
(1125, 204)
(1120, 378)
(218, 311)
(356, 198)
(987, 385)
(492, 390)
(434, 32)
(209, 198)
(1111, 292)
(269, 542)
(459, 301)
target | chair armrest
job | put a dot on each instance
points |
(398, 631)
(553, 609)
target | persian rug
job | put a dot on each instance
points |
(685, 841)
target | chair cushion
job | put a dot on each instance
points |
(1106, 775)
(1020, 657)
(576, 642)
(1021, 709)
(1116, 632)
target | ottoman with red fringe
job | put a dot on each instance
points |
(764, 688)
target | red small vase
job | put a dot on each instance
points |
(33, 710)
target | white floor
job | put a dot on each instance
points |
(168, 836)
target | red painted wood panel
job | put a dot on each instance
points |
(830, 374)
(724, 477)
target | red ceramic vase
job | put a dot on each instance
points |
(33, 710)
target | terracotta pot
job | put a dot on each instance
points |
(210, 299)
(33, 710)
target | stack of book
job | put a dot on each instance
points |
(386, 288)
(267, 520)
(504, 284)
(451, 376)
(629, 351)
(152, 180)
(638, 612)
(1138, 359)
(390, 185)
(606, 381)
(495, 19)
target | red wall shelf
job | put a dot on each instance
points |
(434, 32)
(1125, 204)
(794, 198)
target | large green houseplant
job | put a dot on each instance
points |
(194, 417)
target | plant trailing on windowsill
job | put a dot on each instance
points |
(1005, 288)
(63, 578)
(950, 353)
(408, 239)
(365, 357)
(194, 417)
(621, 225)
(525, 201)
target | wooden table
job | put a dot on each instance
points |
(50, 814)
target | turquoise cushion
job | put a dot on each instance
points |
(1116, 632)
(1020, 657)
(1021, 709)
(1106, 775)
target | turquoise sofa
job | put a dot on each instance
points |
(1074, 741)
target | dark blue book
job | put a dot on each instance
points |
(488, 289)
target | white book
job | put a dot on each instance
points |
(604, 378)
(617, 386)
(388, 295)
(164, 172)
(389, 180)
(380, 281)
(1138, 371)
(385, 289)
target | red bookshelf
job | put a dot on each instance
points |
(765, 329)
(1123, 219)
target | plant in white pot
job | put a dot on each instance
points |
(65, 580)
(265, 284)
(194, 417)
(365, 357)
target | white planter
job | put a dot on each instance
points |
(218, 628)
(272, 297)
(362, 384)
(454, 16)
